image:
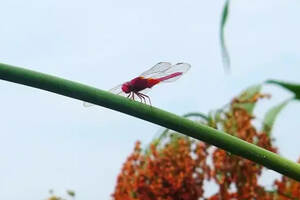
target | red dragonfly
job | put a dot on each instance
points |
(160, 73)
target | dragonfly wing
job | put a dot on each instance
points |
(156, 70)
(166, 71)
(179, 67)
(175, 72)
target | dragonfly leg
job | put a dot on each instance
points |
(143, 95)
(139, 96)
(148, 99)
(142, 98)
(131, 95)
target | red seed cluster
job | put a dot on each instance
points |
(288, 189)
(174, 172)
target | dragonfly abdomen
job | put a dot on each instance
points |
(170, 76)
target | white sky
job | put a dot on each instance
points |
(52, 142)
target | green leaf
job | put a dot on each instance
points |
(271, 116)
(224, 51)
(292, 87)
(248, 94)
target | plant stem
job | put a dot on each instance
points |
(151, 114)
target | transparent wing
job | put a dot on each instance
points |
(166, 72)
(175, 72)
(156, 70)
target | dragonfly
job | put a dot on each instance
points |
(162, 72)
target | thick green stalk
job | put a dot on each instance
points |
(151, 114)
(191, 114)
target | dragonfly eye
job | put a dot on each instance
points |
(126, 88)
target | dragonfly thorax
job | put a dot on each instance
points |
(136, 85)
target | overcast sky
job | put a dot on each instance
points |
(52, 142)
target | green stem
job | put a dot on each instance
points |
(196, 114)
(191, 114)
(151, 114)
(163, 134)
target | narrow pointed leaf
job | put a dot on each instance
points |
(292, 87)
(271, 116)
(224, 51)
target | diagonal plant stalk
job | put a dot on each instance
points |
(163, 134)
(151, 114)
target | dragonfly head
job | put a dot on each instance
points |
(126, 87)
